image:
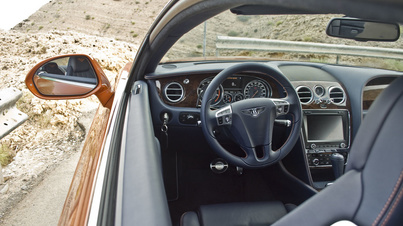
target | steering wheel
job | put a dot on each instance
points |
(251, 121)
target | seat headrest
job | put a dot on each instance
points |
(52, 68)
(79, 64)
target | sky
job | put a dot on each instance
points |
(14, 11)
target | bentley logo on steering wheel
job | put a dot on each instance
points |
(254, 112)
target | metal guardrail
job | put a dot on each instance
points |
(10, 116)
(254, 44)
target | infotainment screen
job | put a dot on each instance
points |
(325, 128)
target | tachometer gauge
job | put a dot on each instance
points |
(255, 89)
(218, 95)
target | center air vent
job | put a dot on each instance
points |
(304, 94)
(174, 92)
(337, 94)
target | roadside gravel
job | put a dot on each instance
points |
(49, 195)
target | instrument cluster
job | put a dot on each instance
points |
(235, 88)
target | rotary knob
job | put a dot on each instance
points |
(315, 162)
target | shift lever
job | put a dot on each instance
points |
(337, 164)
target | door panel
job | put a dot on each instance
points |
(141, 198)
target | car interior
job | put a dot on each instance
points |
(262, 137)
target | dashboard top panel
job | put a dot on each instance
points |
(181, 85)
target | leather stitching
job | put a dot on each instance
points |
(393, 207)
(387, 204)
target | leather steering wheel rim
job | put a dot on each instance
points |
(254, 113)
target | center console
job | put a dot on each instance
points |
(325, 132)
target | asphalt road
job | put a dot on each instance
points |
(43, 205)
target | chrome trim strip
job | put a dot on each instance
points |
(86, 85)
(119, 195)
(97, 186)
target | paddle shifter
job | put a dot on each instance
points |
(337, 164)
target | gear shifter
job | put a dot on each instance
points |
(337, 164)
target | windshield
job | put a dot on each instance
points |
(280, 37)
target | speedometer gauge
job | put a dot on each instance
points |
(256, 89)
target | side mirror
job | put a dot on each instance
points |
(70, 77)
(363, 30)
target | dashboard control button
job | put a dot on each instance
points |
(189, 118)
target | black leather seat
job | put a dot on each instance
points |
(255, 213)
(80, 67)
(371, 190)
(53, 68)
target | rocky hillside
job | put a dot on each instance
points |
(118, 19)
(53, 130)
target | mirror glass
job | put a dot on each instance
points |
(66, 76)
(362, 30)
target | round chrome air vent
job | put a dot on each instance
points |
(304, 94)
(174, 92)
(337, 95)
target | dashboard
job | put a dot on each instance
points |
(188, 90)
(333, 100)
(324, 92)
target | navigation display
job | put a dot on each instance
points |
(325, 128)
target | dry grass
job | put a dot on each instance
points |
(6, 155)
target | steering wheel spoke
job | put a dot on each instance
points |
(224, 116)
(260, 155)
(282, 106)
